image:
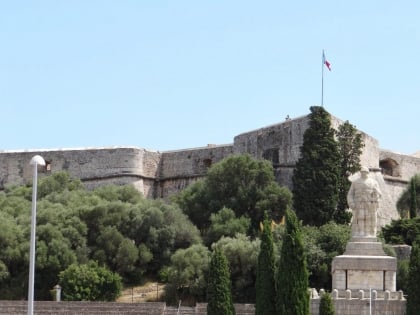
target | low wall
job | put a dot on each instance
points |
(362, 307)
(362, 302)
(353, 306)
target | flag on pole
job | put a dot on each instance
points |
(325, 61)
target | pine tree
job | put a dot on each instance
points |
(265, 284)
(292, 278)
(316, 175)
(413, 199)
(326, 306)
(219, 297)
(413, 285)
(350, 145)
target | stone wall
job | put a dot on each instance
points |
(177, 169)
(362, 307)
(95, 167)
(161, 174)
(353, 306)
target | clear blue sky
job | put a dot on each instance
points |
(166, 75)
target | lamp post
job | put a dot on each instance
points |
(35, 161)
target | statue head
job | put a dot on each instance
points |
(364, 171)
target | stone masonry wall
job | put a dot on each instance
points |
(93, 166)
(280, 144)
(161, 174)
(342, 307)
(178, 169)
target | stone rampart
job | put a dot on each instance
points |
(161, 174)
(177, 169)
(95, 167)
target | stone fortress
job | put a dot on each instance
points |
(364, 278)
(160, 174)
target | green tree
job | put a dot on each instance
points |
(225, 223)
(350, 146)
(187, 275)
(56, 183)
(219, 296)
(403, 267)
(326, 306)
(89, 282)
(265, 302)
(413, 199)
(413, 285)
(239, 182)
(403, 231)
(405, 202)
(242, 255)
(113, 225)
(322, 244)
(292, 278)
(316, 175)
(138, 238)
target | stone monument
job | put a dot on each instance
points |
(364, 265)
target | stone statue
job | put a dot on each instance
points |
(363, 199)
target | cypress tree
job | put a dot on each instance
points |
(219, 297)
(413, 199)
(350, 145)
(316, 175)
(265, 283)
(413, 285)
(326, 306)
(292, 278)
(406, 203)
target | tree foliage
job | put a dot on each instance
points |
(321, 246)
(405, 202)
(219, 298)
(413, 199)
(225, 223)
(403, 231)
(239, 182)
(265, 303)
(326, 306)
(292, 278)
(113, 225)
(316, 175)
(413, 285)
(187, 275)
(89, 282)
(242, 254)
(350, 146)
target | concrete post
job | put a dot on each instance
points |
(57, 289)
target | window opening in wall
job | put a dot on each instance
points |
(390, 167)
(272, 155)
(47, 167)
(207, 162)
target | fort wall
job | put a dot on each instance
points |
(161, 174)
(177, 169)
(94, 167)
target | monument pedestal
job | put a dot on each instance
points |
(364, 266)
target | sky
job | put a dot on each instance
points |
(168, 75)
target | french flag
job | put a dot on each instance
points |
(325, 61)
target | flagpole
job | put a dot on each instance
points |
(322, 79)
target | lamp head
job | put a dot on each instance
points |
(37, 160)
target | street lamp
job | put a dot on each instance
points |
(35, 161)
